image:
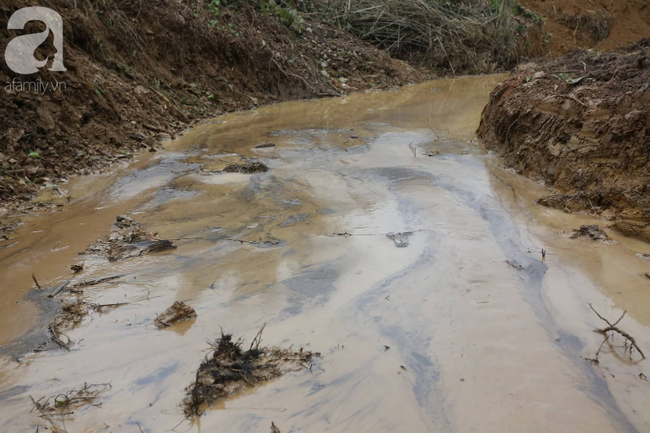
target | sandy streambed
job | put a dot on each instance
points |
(380, 237)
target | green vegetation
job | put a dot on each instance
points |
(285, 13)
(528, 14)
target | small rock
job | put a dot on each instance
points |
(123, 221)
(138, 136)
(265, 146)
(644, 256)
(401, 240)
(152, 127)
(164, 137)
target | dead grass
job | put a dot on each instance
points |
(58, 409)
(471, 36)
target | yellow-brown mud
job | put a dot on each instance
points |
(484, 346)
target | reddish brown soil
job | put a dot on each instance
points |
(581, 124)
(599, 24)
(138, 73)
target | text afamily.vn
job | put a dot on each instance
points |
(38, 85)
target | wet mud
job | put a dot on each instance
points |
(381, 236)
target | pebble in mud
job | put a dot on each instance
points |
(401, 239)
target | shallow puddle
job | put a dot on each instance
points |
(381, 236)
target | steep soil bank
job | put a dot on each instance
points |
(581, 124)
(138, 73)
(602, 24)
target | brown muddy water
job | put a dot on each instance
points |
(475, 344)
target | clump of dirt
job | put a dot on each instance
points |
(593, 232)
(231, 370)
(569, 25)
(177, 312)
(247, 167)
(136, 76)
(581, 125)
(128, 240)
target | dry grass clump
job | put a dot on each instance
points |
(60, 408)
(463, 36)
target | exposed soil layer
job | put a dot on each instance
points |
(137, 75)
(581, 124)
(602, 24)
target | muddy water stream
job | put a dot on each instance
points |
(456, 325)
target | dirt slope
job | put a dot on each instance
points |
(581, 124)
(138, 74)
(600, 24)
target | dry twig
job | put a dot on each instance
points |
(613, 327)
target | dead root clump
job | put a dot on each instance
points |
(72, 314)
(230, 370)
(128, 240)
(62, 406)
(246, 168)
(593, 232)
(608, 332)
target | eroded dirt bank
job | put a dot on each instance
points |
(580, 124)
(379, 236)
(138, 74)
(604, 25)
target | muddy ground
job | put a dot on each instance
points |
(580, 124)
(604, 25)
(380, 236)
(137, 76)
